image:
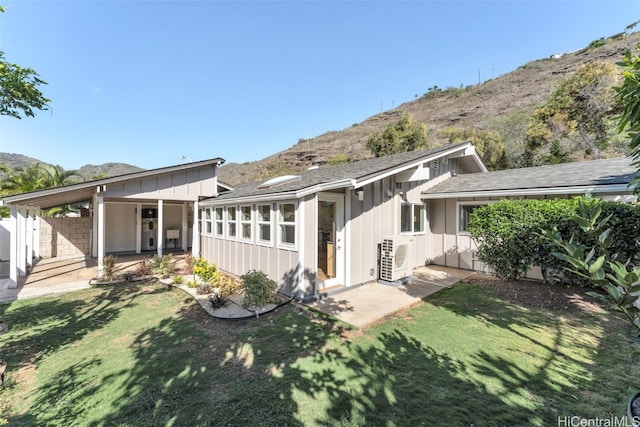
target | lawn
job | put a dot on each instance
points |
(142, 354)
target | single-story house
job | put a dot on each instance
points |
(139, 212)
(341, 226)
(318, 231)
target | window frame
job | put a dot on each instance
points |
(412, 206)
(281, 223)
(244, 222)
(460, 206)
(231, 221)
(218, 222)
(207, 222)
(260, 223)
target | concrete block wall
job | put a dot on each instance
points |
(65, 236)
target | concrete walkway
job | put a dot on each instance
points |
(366, 304)
(59, 275)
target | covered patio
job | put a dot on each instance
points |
(147, 211)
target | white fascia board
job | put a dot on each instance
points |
(345, 183)
(555, 191)
(250, 199)
(429, 158)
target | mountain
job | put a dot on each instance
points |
(13, 161)
(504, 104)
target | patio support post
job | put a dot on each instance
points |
(29, 235)
(100, 236)
(160, 226)
(13, 250)
(22, 244)
(94, 226)
(185, 226)
(36, 233)
(195, 245)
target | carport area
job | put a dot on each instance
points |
(366, 304)
(58, 275)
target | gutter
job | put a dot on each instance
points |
(611, 188)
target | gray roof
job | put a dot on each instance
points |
(355, 173)
(566, 178)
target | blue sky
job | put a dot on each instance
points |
(150, 82)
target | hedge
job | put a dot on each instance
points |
(508, 234)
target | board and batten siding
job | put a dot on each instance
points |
(183, 185)
(238, 257)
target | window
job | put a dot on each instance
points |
(264, 223)
(464, 213)
(219, 222)
(412, 218)
(207, 221)
(232, 223)
(245, 222)
(287, 223)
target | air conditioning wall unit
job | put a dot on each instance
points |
(395, 258)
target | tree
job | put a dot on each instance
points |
(19, 93)
(581, 103)
(405, 135)
(36, 177)
(629, 96)
(488, 143)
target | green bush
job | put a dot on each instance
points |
(258, 288)
(508, 234)
(208, 272)
(161, 264)
(178, 280)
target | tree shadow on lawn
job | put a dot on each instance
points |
(582, 366)
(289, 369)
(42, 326)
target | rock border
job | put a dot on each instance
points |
(233, 310)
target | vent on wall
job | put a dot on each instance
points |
(395, 259)
(435, 164)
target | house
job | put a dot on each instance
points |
(315, 232)
(321, 230)
(452, 201)
(148, 211)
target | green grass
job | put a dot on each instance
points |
(139, 354)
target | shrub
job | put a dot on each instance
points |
(143, 268)
(109, 268)
(203, 288)
(508, 234)
(161, 264)
(228, 285)
(188, 260)
(217, 301)
(258, 288)
(178, 280)
(192, 284)
(208, 272)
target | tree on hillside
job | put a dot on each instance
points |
(629, 96)
(581, 103)
(35, 177)
(488, 143)
(405, 135)
(19, 93)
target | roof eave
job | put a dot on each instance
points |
(361, 182)
(551, 191)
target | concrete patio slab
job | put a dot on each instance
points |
(371, 302)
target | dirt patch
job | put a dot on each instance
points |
(539, 295)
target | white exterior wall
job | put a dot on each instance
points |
(5, 238)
